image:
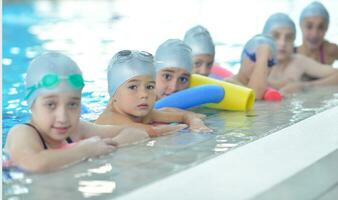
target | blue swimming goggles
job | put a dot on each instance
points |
(50, 81)
(125, 55)
(252, 57)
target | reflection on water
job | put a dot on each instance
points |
(91, 37)
(132, 167)
(95, 188)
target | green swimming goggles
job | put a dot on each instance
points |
(50, 81)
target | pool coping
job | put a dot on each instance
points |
(253, 168)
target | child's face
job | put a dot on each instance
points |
(57, 114)
(284, 38)
(202, 64)
(314, 29)
(135, 97)
(171, 80)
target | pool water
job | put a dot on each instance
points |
(91, 37)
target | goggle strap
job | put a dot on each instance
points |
(31, 90)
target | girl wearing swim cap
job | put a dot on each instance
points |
(173, 65)
(258, 57)
(291, 68)
(131, 85)
(203, 49)
(314, 23)
(54, 84)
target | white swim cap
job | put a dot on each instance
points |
(127, 64)
(45, 73)
(315, 9)
(173, 53)
(278, 20)
(200, 41)
(249, 50)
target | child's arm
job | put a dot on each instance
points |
(168, 109)
(118, 119)
(195, 123)
(259, 77)
(325, 73)
(88, 129)
(122, 135)
(26, 151)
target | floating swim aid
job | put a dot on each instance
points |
(237, 98)
(272, 95)
(192, 97)
(220, 72)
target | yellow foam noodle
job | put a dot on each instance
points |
(237, 98)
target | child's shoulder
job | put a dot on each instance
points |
(107, 117)
(332, 48)
(20, 129)
(21, 133)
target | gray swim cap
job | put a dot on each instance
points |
(315, 9)
(200, 41)
(250, 47)
(47, 71)
(173, 53)
(278, 20)
(127, 64)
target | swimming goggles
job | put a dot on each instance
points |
(125, 55)
(252, 57)
(50, 81)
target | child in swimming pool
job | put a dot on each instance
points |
(131, 85)
(203, 49)
(54, 84)
(258, 57)
(173, 65)
(287, 75)
(314, 22)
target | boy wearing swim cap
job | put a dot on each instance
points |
(203, 49)
(314, 23)
(54, 84)
(131, 86)
(287, 74)
(258, 57)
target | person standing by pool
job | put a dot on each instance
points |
(257, 59)
(290, 68)
(55, 137)
(314, 23)
(131, 86)
(203, 49)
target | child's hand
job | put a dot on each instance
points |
(130, 136)
(197, 125)
(95, 146)
(167, 129)
(167, 109)
(292, 87)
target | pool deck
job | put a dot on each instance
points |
(297, 162)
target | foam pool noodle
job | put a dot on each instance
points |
(192, 97)
(237, 98)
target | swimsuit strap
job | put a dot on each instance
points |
(68, 139)
(321, 53)
(42, 140)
